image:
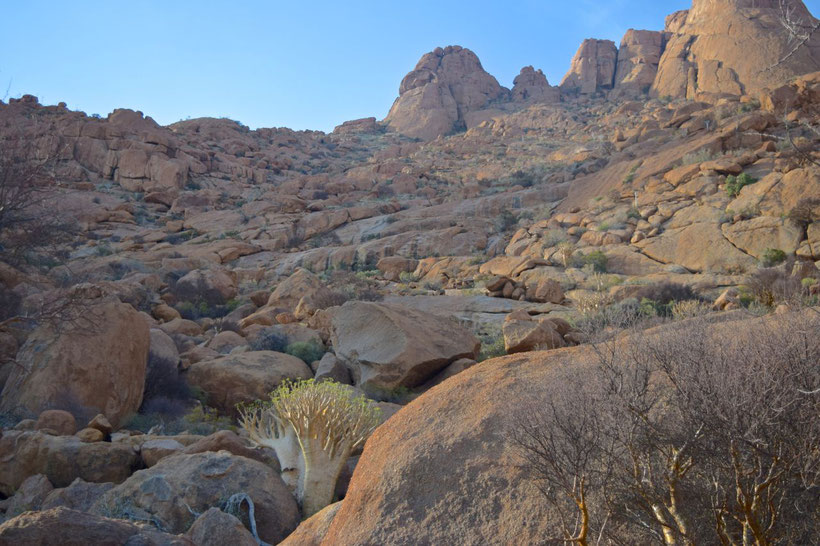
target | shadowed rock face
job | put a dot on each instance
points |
(638, 60)
(445, 85)
(735, 46)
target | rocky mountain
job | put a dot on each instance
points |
(477, 257)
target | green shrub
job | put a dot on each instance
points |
(307, 351)
(597, 260)
(407, 277)
(772, 257)
(736, 183)
(492, 345)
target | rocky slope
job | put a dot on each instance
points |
(202, 264)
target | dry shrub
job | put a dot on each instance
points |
(692, 433)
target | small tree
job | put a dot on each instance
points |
(313, 427)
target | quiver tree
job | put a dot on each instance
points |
(314, 428)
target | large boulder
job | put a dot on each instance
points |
(178, 487)
(213, 286)
(312, 531)
(216, 528)
(388, 346)
(244, 377)
(441, 471)
(66, 527)
(445, 85)
(709, 45)
(301, 284)
(530, 335)
(592, 68)
(93, 363)
(62, 459)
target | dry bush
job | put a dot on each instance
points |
(689, 434)
(774, 285)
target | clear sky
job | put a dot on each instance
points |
(298, 64)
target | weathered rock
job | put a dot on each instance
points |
(312, 531)
(244, 377)
(708, 49)
(445, 85)
(389, 346)
(756, 235)
(529, 335)
(333, 369)
(592, 68)
(226, 440)
(214, 286)
(62, 459)
(65, 527)
(301, 284)
(531, 86)
(90, 435)
(638, 59)
(176, 485)
(58, 420)
(153, 451)
(79, 495)
(216, 528)
(30, 495)
(698, 247)
(94, 364)
(394, 266)
(100, 423)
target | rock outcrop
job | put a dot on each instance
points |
(445, 85)
(592, 68)
(532, 86)
(736, 46)
(638, 59)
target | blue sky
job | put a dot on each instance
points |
(305, 65)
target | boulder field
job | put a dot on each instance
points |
(451, 263)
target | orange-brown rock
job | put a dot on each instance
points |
(445, 85)
(61, 459)
(532, 86)
(62, 422)
(592, 68)
(94, 364)
(244, 377)
(638, 59)
(709, 48)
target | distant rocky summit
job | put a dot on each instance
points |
(445, 85)
(719, 47)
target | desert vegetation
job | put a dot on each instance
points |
(679, 438)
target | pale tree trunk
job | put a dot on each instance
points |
(321, 473)
(291, 462)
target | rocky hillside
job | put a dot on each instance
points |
(154, 280)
